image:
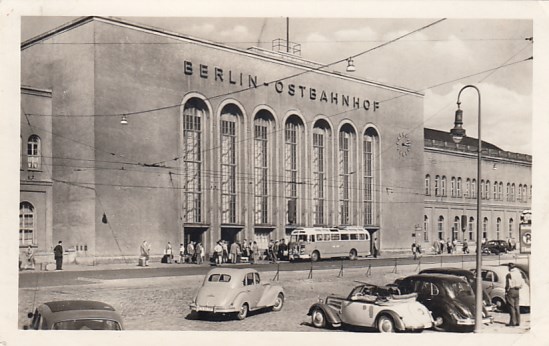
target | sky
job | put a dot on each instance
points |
(433, 60)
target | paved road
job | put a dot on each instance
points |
(161, 302)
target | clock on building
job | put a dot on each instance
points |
(403, 144)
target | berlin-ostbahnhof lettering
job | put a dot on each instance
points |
(291, 89)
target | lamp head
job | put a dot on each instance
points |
(350, 65)
(124, 120)
(458, 132)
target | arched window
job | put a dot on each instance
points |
(425, 228)
(437, 185)
(511, 228)
(26, 224)
(34, 153)
(474, 188)
(525, 193)
(500, 191)
(453, 187)
(440, 227)
(508, 192)
(519, 193)
(321, 143)
(230, 129)
(427, 185)
(471, 228)
(485, 228)
(293, 137)
(263, 127)
(512, 192)
(194, 114)
(458, 187)
(488, 190)
(498, 227)
(495, 191)
(456, 228)
(371, 153)
(443, 186)
(346, 167)
(467, 193)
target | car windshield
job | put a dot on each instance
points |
(459, 288)
(219, 278)
(87, 324)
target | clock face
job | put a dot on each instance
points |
(403, 144)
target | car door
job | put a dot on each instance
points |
(425, 293)
(254, 288)
(358, 312)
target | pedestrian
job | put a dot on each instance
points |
(199, 251)
(190, 252)
(436, 247)
(181, 253)
(513, 284)
(282, 249)
(442, 243)
(276, 246)
(218, 253)
(454, 246)
(254, 251)
(465, 246)
(30, 258)
(145, 252)
(449, 246)
(168, 253)
(233, 252)
(375, 248)
(414, 250)
(225, 251)
(58, 255)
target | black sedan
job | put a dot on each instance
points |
(496, 247)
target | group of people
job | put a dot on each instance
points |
(192, 253)
(450, 246)
(237, 252)
(277, 250)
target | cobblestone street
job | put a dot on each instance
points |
(162, 303)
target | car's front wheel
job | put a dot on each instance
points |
(500, 304)
(279, 302)
(352, 255)
(318, 318)
(315, 256)
(243, 312)
(385, 324)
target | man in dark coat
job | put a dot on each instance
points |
(58, 254)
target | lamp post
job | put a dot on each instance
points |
(458, 132)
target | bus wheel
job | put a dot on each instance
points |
(352, 255)
(315, 256)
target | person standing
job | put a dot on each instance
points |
(145, 252)
(375, 248)
(58, 255)
(218, 253)
(199, 251)
(190, 252)
(465, 246)
(414, 250)
(234, 252)
(255, 252)
(181, 253)
(169, 253)
(513, 284)
(30, 258)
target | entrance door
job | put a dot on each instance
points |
(191, 234)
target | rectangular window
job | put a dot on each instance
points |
(26, 228)
(192, 158)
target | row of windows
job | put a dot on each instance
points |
(469, 189)
(34, 153)
(195, 113)
(470, 230)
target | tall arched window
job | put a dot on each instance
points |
(456, 228)
(263, 126)
(370, 142)
(471, 228)
(488, 190)
(474, 188)
(498, 227)
(293, 133)
(437, 185)
(453, 187)
(485, 228)
(194, 114)
(346, 167)
(427, 185)
(229, 124)
(511, 228)
(34, 153)
(495, 191)
(443, 186)
(467, 193)
(482, 191)
(425, 228)
(26, 224)
(458, 187)
(321, 135)
(500, 191)
(512, 192)
(508, 192)
(440, 227)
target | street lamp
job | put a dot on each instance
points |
(458, 132)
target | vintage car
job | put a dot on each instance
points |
(466, 274)
(496, 247)
(75, 315)
(383, 308)
(449, 298)
(236, 290)
(493, 281)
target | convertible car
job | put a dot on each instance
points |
(230, 290)
(383, 308)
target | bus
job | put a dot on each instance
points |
(525, 232)
(316, 242)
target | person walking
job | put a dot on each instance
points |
(414, 250)
(58, 255)
(513, 284)
(465, 246)
(181, 253)
(145, 250)
(199, 251)
(218, 253)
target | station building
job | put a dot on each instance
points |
(133, 133)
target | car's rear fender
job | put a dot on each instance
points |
(269, 295)
(331, 313)
(399, 325)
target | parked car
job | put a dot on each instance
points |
(493, 280)
(383, 308)
(75, 315)
(239, 291)
(449, 298)
(496, 247)
(469, 276)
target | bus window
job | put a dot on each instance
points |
(319, 237)
(354, 236)
(362, 236)
(312, 237)
(344, 236)
(335, 236)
